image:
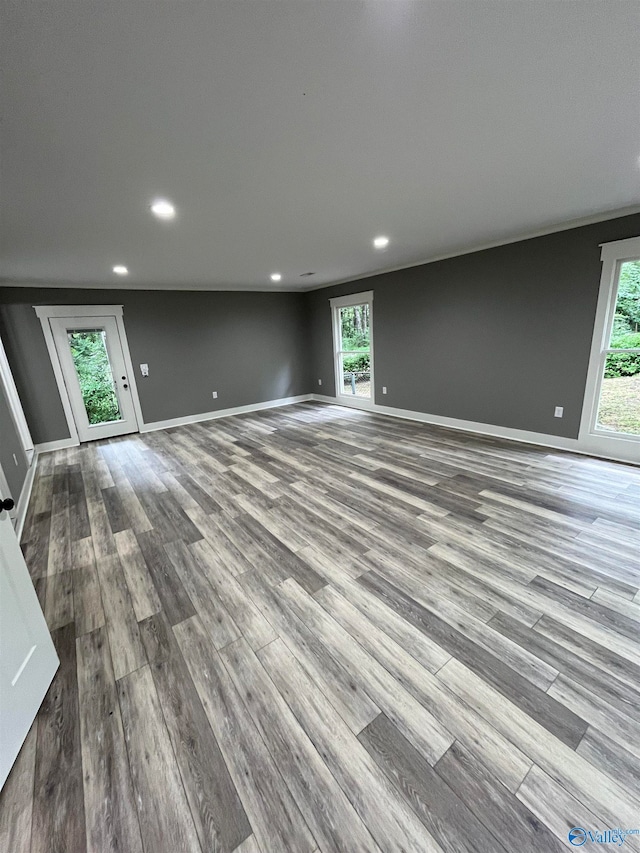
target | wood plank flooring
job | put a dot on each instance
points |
(318, 629)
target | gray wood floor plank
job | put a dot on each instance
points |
(36, 548)
(59, 600)
(512, 628)
(449, 820)
(280, 561)
(59, 542)
(82, 553)
(144, 597)
(249, 845)
(493, 805)
(327, 811)
(583, 699)
(102, 536)
(127, 650)
(58, 801)
(583, 780)
(218, 814)
(111, 817)
(344, 692)
(615, 691)
(584, 646)
(163, 811)
(558, 719)
(174, 598)
(413, 641)
(87, 600)
(553, 806)
(246, 616)
(214, 615)
(16, 799)
(79, 527)
(507, 763)
(274, 816)
(605, 752)
(116, 513)
(393, 825)
(428, 735)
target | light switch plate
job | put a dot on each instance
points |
(559, 412)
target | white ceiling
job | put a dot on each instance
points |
(289, 134)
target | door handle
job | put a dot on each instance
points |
(7, 504)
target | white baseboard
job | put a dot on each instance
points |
(25, 495)
(60, 444)
(224, 413)
(541, 439)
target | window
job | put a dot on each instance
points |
(353, 347)
(611, 413)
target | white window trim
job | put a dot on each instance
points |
(366, 297)
(590, 439)
(15, 405)
(45, 314)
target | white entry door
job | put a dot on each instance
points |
(28, 658)
(92, 360)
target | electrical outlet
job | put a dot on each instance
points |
(319, 381)
(215, 395)
(144, 369)
(559, 412)
(384, 389)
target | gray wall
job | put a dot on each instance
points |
(249, 347)
(500, 336)
(10, 444)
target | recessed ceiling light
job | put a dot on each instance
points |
(163, 209)
(119, 269)
(275, 276)
(381, 242)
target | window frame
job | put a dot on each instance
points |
(348, 301)
(591, 438)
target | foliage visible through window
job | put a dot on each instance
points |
(91, 360)
(626, 323)
(355, 337)
(619, 405)
(355, 330)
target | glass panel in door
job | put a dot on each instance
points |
(95, 375)
(619, 402)
(355, 350)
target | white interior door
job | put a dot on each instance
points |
(28, 658)
(92, 360)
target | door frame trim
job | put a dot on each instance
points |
(591, 440)
(15, 405)
(48, 312)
